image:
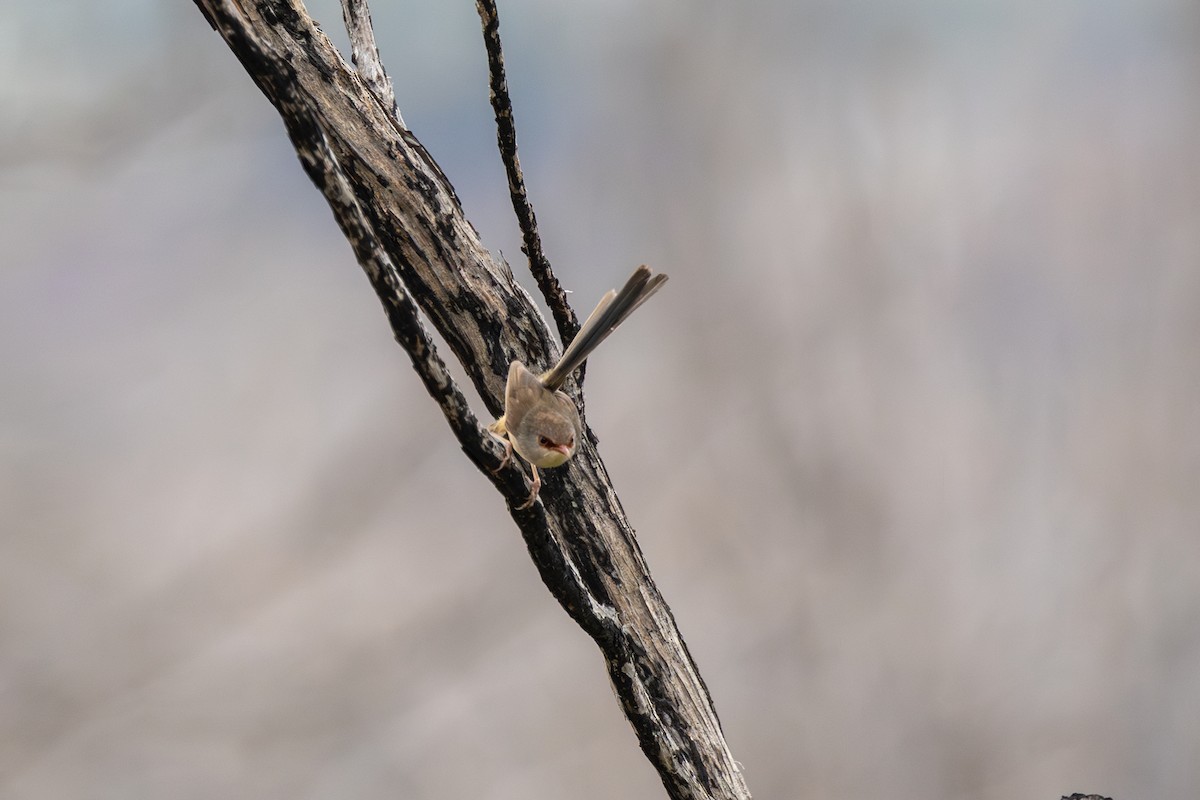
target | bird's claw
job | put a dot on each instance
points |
(508, 451)
(533, 493)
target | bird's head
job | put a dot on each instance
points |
(548, 435)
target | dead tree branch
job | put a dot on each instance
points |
(409, 234)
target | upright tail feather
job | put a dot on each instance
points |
(610, 312)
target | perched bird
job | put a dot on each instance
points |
(540, 422)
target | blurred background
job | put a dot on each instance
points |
(912, 440)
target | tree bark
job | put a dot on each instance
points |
(417, 248)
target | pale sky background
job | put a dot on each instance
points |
(911, 440)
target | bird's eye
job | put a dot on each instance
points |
(544, 442)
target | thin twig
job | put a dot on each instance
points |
(506, 137)
(365, 55)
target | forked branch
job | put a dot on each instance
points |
(409, 234)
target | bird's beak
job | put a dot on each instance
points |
(561, 448)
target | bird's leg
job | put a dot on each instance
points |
(533, 493)
(497, 431)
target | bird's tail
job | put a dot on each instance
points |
(610, 312)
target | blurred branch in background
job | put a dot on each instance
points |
(412, 239)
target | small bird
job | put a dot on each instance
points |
(540, 422)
